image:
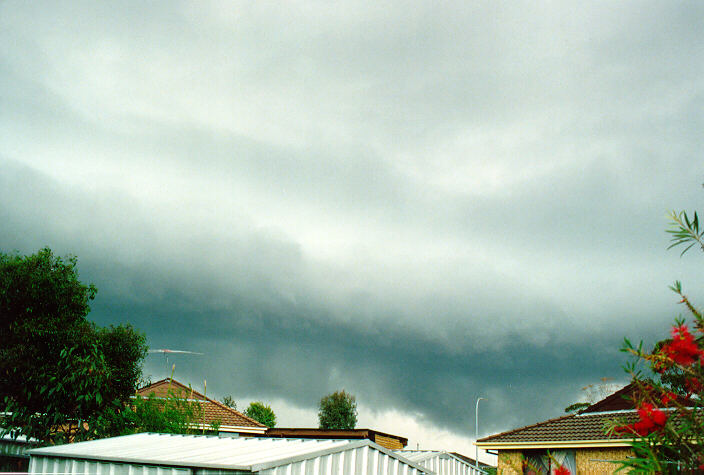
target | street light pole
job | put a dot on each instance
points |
(476, 432)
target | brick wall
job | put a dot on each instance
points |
(510, 462)
(597, 461)
(588, 461)
(388, 442)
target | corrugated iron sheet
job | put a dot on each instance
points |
(54, 465)
(363, 460)
(442, 463)
(164, 454)
(12, 447)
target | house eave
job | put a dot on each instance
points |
(571, 444)
(225, 428)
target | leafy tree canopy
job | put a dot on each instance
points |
(338, 411)
(261, 413)
(172, 414)
(59, 373)
(229, 401)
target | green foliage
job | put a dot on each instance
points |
(670, 440)
(174, 415)
(577, 406)
(171, 415)
(59, 373)
(338, 411)
(124, 348)
(261, 413)
(215, 425)
(229, 401)
(685, 231)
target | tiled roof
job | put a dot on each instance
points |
(589, 426)
(624, 398)
(573, 428)
(213, 411)
(163, 387)
(618, 401)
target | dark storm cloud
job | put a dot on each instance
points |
(273, 339)
(422, 204)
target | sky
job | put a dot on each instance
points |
(421, 203)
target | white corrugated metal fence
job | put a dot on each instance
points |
(167, 454)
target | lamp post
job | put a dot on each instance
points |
(476, 432)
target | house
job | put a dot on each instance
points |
(228, 421)
(577, 441)
(171, 454)
(389, 441)
(444, 463)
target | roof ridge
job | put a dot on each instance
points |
(603, 413)
(176, 383)
(150, 385)
(526, 427)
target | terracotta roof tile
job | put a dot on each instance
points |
(618, 401)
(624, 398)
(162, 388)
(573, 427)
(213, 411)
(588, 425)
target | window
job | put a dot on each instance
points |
(544, 462)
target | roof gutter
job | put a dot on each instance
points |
(226, 428)
(577, 444)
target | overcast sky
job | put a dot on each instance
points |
(421, 203)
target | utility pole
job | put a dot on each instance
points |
(476, 432)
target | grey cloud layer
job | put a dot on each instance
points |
(458, 201)
(266, 324)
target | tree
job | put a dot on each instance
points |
(668, 435)
(229, 401)
(172, 414)
(261, 413)
(59, 373)
(338, 411)
(124, 348)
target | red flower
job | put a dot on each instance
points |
(693, 385)
(668, 397)
(562, 470)
(647, 411)
(651, 420)
(679, 329)
(683, 349)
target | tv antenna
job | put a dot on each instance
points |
(167, 352)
